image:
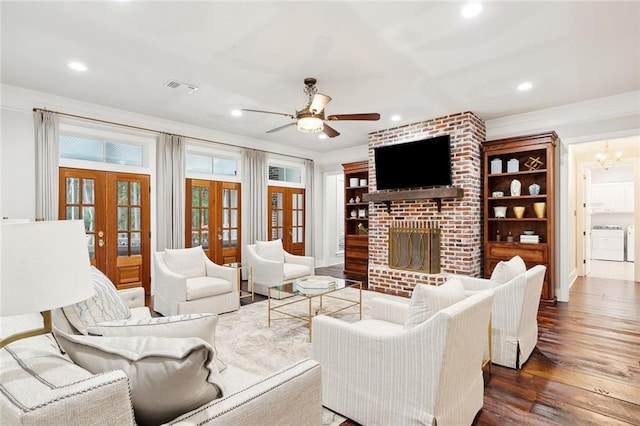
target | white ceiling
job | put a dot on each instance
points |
(417, 59)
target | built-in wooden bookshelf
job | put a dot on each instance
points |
(529, 160)
(356, 219)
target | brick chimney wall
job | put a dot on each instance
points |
(460, 219)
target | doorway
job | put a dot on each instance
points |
(605, 210)
(115, 208)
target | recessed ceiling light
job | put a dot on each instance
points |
(471, 9)
(322, 136)
(526, 85)
(77, 66)
(395, 118)
(236, 113)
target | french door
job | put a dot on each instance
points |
(115, 210)
(213, 219)
(286, 218)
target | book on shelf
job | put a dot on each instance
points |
(316, 282)
(531, 239)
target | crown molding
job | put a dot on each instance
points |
(618, 113)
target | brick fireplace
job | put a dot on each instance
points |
(460, 219)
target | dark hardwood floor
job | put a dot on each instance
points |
(585, 369)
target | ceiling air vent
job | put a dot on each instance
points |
(175, 84)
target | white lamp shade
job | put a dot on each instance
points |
(44, 265)
(319, 102)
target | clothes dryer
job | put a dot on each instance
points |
(631, 252)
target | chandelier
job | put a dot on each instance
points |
(605, 159)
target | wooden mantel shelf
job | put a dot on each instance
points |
(436, 194)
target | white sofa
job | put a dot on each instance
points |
(42, 386)
(514, 322)
(186, 281)
(272, 266)
(392, 371)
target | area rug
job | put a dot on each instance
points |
(244, 340)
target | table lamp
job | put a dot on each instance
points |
(43, 266)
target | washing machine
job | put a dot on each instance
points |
(607, 242)
(631, 242)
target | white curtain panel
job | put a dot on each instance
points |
(47, 126)
(170, 192)
(309, 228)
(254, 194)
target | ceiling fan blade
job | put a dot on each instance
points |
(374, 116)
(268, 112)
(277, 129)
(330, 131)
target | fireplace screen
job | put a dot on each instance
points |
(415, 246)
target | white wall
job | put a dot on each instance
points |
(18, 180)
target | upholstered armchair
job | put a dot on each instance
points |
(406, 365)
(272, 265)
(186, 281)
(514, 318)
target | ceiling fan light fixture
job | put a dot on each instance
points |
(310, 124)
(319, 102)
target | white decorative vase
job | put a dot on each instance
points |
(515, 188)
(496, 166)
(513, 166)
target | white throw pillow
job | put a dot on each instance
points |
(168, 376)
(188, 262)
(105, 305)
(427, 300)
(202, 326)
(506, 271)
(270, 250)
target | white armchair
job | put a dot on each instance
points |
(383, 372)
(272, 265)
(186, 281)
(514, 322)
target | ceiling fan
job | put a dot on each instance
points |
(311, 119)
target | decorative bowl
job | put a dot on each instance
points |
(500, 211)
(528, 232)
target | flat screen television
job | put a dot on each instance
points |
(415, 164)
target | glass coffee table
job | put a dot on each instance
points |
(313, 288)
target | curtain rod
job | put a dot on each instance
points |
(145, 129)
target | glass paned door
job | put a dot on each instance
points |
(230, 217)
(287, 218)
(276, 228)
(213, 219)
(79, 201)
(115, 211)
(199, 232)
(128, 195)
